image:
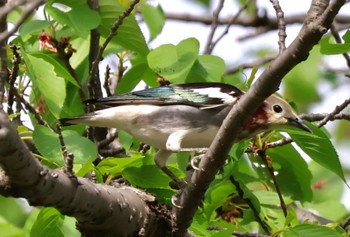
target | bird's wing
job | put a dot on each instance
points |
(201, 95)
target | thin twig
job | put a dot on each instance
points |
(106, 81)
(281, 142)
(281, 25)
(240, 192)
(214, 26)
(94, 85)
(345, 223)
(339, 40)
(258, 31)
(3, 55)
(27, 11)
(16, 60)
(234, 18)
(318, 117)
(67, 156)
(113, 33)
(256, 63)
(31, 109)
(331, 115)
(267, 162)
(10, 6)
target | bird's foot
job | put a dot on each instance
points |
(175, 199)
(195, 162)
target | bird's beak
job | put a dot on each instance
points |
(297, 122)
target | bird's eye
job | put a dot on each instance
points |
(277, 108)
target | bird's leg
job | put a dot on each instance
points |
(174, 143)
(195, 161)
(161, 158)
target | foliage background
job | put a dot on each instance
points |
(311, 87)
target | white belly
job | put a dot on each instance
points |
(140, 122)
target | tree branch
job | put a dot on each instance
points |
(95, 89)
(113, 33)
(257, 21)
(281, 25)
(268, 164)
(27, 11)
(16, 60)
(336, 111)
(214, 25)
(256, 63)
(240, 192)
(339, 41)
(318, 117)
(318, 21)
(234, 18)
(96, 207)
(3, 54)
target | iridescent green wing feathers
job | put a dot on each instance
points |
(201, 95)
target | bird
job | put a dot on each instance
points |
(183, 117)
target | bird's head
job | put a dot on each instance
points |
(275, 113)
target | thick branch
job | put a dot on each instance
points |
(96, 207)
(319, 20)
(247, 22)
(95, 89)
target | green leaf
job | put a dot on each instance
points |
(311, 231)
(139, 170)
(295, 87)
(346, 36)
(13, 211)
(46, 141)
(154, 18)
(72, 105)
(319, 147)
(291, 166)
(129, 34)
(326, 184)
(174, 62)
(48, 223)
(131, 78)
(115, 166)
(148, 176)
(84, 150)
(216, 196)
(270, 198)
(9, 230)
(330, 209)
(328, 48)
(69, 227)
(33, 27)
(77, 10)
(126, 140)
(60, 70)
(207, 68)
(46, 80)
